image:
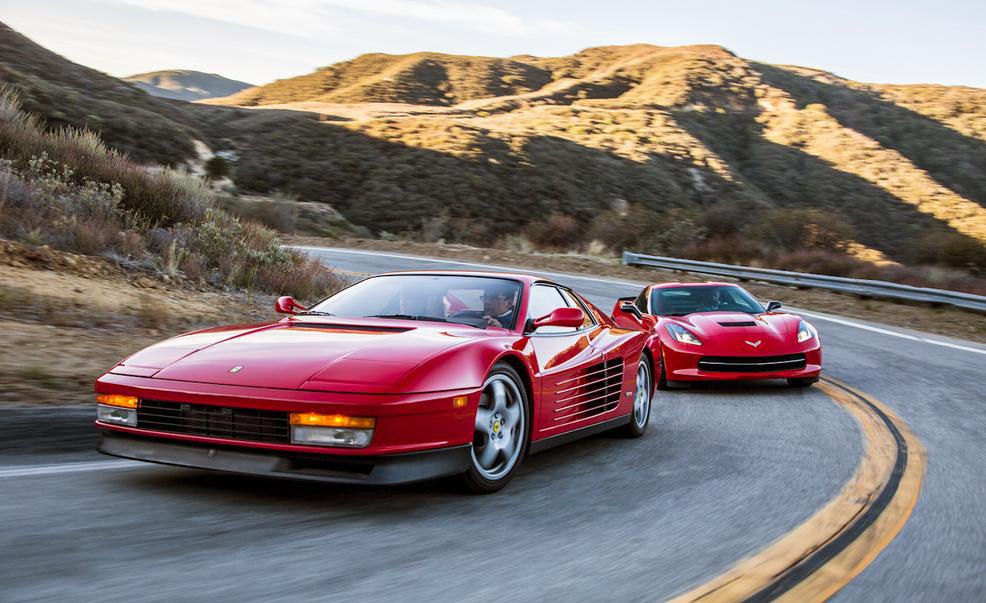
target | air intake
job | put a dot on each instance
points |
(594, 392)
(742, 323)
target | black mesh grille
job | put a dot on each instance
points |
(214, 421)
(751, 364)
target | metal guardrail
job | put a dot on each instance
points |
(854, 286)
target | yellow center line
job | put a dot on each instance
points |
(830, 534)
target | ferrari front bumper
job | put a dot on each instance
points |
(375, 470)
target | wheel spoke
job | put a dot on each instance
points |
(487, 455)
(483, 420)
(499, 396)
(512, 415)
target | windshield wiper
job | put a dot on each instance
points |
(314, 313)
(408, 317)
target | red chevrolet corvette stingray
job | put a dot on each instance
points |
(718, 331)
(398, 378)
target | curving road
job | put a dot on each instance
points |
(723, 472)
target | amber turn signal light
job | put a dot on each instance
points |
(117, 400)
(459, 402)
(313, 418)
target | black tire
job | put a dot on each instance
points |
(662, 376)
(479, 479)
(802, 381)
(639, 418)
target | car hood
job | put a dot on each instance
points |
(348, 355)
(737, 333)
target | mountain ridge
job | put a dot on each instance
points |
(688, 151)
(185, 84)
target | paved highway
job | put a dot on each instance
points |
(723, 472)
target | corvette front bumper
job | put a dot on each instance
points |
(685, 366)
(375, 470)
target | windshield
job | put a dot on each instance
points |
(469, 300)
(687, 300)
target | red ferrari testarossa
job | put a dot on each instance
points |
(398, 378)
(718, 331)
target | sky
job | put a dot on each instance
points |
(258, 41)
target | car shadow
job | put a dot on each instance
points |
(768, 387)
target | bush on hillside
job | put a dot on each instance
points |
(76, 195)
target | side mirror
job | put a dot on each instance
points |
(631, 308)
(773, 305)
(286, 305)
(561, 317)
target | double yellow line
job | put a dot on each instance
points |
(820, 556)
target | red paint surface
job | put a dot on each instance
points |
(403, 373)
(777, 333)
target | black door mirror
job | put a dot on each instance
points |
(631, 308)
(773, 305)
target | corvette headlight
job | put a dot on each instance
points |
(805, 332)
(682, 334)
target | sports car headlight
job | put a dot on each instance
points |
(116, 415)
(805, 332)
(682, 334)
(331, 430)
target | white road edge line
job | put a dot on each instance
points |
(849, 323)
(841, 321)
(68, 468)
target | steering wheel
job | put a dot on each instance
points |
(468, 316)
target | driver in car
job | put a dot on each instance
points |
(498, 306)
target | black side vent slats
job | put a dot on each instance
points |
(742, 323)
(595, 391)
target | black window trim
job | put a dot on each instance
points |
(578, 331)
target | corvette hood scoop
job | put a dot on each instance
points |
(308, 355)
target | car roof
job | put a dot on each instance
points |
(517, 276)
(679, 285)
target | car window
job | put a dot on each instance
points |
(445, 298)
(544, 299)
(679, 301)
(575, 302)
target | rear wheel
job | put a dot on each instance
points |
(802, 381)
(641, 400)
(501, 431)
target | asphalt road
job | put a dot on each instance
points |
(723, 472)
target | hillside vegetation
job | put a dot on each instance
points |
(66, 190)
(689, 151)
(186, 85)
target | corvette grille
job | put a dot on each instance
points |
(751, 364)
(214, 421)
(596, 390)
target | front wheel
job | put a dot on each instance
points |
(501, 431)
(641, 400)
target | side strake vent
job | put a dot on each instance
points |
(595, 391)
(742, 323)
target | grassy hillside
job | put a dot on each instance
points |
(182, 84)
(66, 190)
(689, 151)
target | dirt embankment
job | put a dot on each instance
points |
(67, 318)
